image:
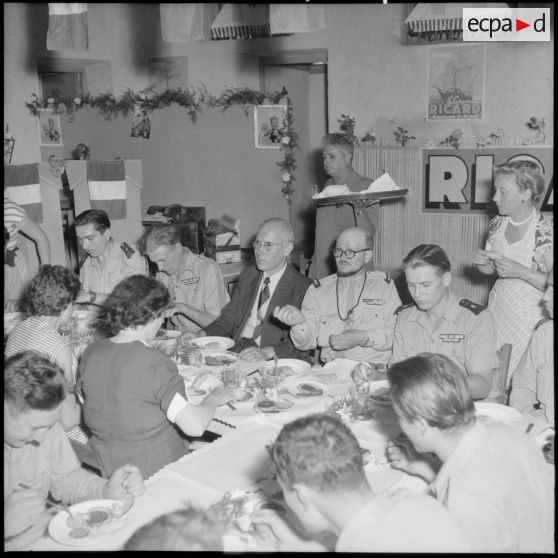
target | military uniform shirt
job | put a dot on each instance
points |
(102, 274)
(468, 338)
(197, 282)
(375, 312)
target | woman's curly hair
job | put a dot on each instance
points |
(51, 290)
(134, 301)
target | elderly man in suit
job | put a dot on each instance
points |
(248, 317)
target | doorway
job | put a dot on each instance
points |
(304, 75)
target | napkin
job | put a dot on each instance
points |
(332, 190)
(382, 184)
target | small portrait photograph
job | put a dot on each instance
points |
(141, 124)
(50, 132)
(270, 125)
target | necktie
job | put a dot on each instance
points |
(264, 297)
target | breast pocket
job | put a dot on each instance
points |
(371, 317)
(455, 351)
(328, 324)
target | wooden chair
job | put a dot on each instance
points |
(504, 355)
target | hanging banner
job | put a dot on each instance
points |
(456, 82)
(459, 181)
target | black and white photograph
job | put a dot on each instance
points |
(287, 286)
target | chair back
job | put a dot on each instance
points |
(501, 380)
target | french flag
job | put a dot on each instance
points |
(67, 27)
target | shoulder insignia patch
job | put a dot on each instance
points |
(403, 306)
(316, 283)
(127, 249)
(472, 306)
(388, 278)
(82, 261)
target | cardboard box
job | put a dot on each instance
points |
(222, 242)
(233, 256)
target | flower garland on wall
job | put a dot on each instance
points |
(192, 99)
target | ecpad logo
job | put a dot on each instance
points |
(506, 24)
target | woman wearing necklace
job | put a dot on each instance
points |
(519, 251)
(350, 314)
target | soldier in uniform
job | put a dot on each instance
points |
(195, 281)
(349, 314)
(441, 322)
(106, 261)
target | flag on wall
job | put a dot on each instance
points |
(107, 187)
(67, 27)
(23, 187)
(295, 18)
(185, 22)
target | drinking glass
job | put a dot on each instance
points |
(231, 376)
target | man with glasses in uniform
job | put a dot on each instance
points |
(350, 314)
(248, 317)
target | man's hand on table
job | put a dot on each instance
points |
(348, 339)
(287, 539)
(252, 354)
(126, 481)
(288, 314)
(403, 456)
(25, 518)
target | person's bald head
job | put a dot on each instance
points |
(273, 244)
(353, 251)
(280, 226)
(361, 237)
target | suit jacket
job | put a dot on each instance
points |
(232, 321)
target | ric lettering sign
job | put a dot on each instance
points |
(460, 181)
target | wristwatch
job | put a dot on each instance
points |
(92, 297)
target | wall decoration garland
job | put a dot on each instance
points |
(192, 99)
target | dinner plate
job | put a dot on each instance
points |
(216, 359)
(304, 388)
(498, 413)
(214, 343)
(297, 366)
(379, 392)
(272, 406)
(60, 531)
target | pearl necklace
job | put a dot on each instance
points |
(518, 223)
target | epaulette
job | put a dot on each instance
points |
(472, 306)
(316, 283)
(388, 278)
(82, 261)
(403, 306)
(127, 249)
(541, 322)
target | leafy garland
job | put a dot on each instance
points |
(192, 99)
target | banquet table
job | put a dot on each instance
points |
(237, 464)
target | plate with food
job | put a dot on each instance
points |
(497, 412)
(287, 367)
(378, 392)
(218, 358)
(304, 388)
(272, 405)
(213, 343)
(89, 521)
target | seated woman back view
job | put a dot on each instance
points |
(49, 301)
(133, 394)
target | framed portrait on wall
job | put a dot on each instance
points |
(48, 125)
(170, 72)
(270, 125)
(456, 82)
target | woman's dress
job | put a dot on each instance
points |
(127, 389)
(515, 303)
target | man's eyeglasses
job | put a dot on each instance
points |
(349, 254)
(265, 246)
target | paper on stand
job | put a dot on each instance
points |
(382, 184)
(332, 190)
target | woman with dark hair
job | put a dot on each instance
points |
(133, 395)
(519, 252)
(49, 301)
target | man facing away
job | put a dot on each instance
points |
(106, 262)
(350, 314)
(320, 471)
(194, 280)
(492, 478)
(439, 321)
(331, 220)
(272, 281)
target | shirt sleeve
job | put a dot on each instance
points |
(215, 295)
(393, 302)
(397, 352)
(136, 265)
(481, 346)
(304, 335)
(166, 382)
